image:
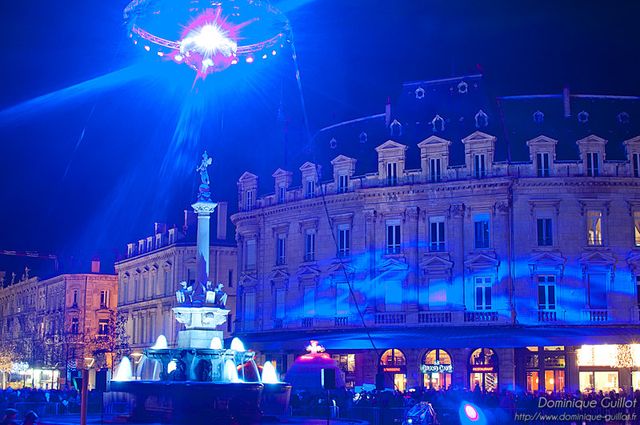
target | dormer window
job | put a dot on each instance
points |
(437, 124)
(363, 137)
(479, 165)
(172, 236)
(282, 194)
(310, 189)
(343, 183)
(141, 246)
(129, 250)
(419, 93)
(158, 240)
(463, 87)
(392, 173)
(395, 128)
(583, 117)
(482, 119)
(635, 160)
(624, 118)
(333, 143)
(593, 164)
(248, 200)
(542, 164)
(435, 169)
(149, 243)
(538, 117)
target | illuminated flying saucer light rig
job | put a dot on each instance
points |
(208, 36)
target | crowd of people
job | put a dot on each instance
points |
(504, 406)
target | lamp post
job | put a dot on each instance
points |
(84, 393)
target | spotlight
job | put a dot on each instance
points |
(161, 54)
(470, 414)
(264, 56)
(273, 52)
(234, 61)
(147, 48)
(249, 59)
(207, 62)
(178, 58)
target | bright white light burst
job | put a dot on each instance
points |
(209, 40)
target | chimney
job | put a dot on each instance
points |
(566, 101)
(95, 265)
(387, 112)
(221, 230)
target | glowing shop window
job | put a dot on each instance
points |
(597, 355)
(635, 379)
(393, 357)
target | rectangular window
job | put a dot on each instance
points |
(249, 306)
(393, 295)
(104, 299)
(281, 244)
(593, 164)
(635, 159)
(342, 299)
(75, 326)
(636, 227)
(638, 290)
(343, 183)
(230, 278)
(280, 303)
(393, 236)
(250, 255)
(481, 231)
(103, 327)
(310, 189)
(248, 201)
(546, 292)
(392, 173)
(310, 245)
(483, 292)
(545, 235)
(74, 302)
(598, 290)
(594, 228)
(479, 165)
(344, 240)
(309, 301)
(435, 172)
(168, 287)
(436, 234)
(542, 164)
(282, 194)
(437, 293)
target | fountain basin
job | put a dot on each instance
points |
(191, 402)
(275, 399)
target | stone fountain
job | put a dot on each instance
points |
(199, 380)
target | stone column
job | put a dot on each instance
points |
(572, 375)
(204, 209)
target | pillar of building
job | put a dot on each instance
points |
(572, 378)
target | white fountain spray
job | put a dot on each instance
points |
(161, 343)
(216, 343)
(230, 371)
(124, 371)
(269, 374)
(237, 345)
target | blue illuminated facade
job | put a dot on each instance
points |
(444, 261)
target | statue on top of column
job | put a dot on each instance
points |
(204, 192)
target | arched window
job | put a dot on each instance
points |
(333, 143)
(623, 118)
(395, 128)
(437, 368)
(437, 124)
(393, 357)
(482, 119)
(419, 93)
(483, 370)
(463, 87)
(363, 137)
(583, 117)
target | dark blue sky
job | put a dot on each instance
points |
(86, 170)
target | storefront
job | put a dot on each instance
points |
(483, 370)
(608, 367)
(436, 368)
(545, 369)
(393, 366)
(347, 364)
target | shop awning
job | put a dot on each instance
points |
(445, 337)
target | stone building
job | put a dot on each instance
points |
(446, 262)
(149, 276)
(54, 324)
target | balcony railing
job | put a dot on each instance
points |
(391, 318)
(342, 321)
(277, 323)
(596, 315)
(434, 317)
(307, 322)
(481, 316)
(547, 316)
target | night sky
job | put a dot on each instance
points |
(88, 169)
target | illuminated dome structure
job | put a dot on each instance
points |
(306, 372)
(207, 35)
